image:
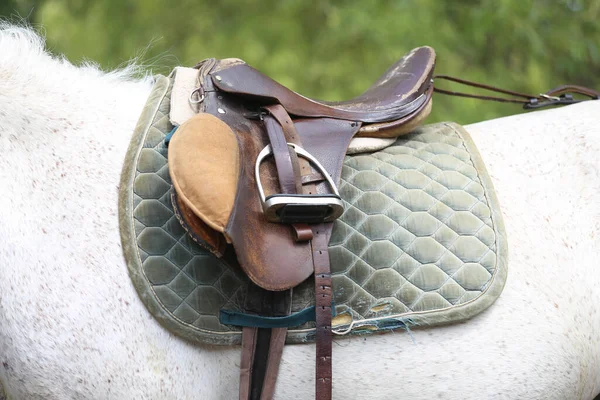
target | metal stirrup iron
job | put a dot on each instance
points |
(299, 208)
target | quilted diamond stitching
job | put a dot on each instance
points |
(422, 162)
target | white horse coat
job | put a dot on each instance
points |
(72, 326)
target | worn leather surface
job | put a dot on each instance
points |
(396, 94)
(421, 241)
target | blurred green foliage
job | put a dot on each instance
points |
(334, 49)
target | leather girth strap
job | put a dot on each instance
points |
(262, 347)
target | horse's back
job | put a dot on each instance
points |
(73, 326)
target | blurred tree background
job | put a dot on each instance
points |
(334, 49)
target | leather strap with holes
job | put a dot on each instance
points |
(323, 297)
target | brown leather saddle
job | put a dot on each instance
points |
(258, 167)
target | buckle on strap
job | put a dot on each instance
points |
(545, 100)
(299, 208)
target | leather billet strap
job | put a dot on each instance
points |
(323, 299)
(276, 345)
(262, 347)
(323, 289)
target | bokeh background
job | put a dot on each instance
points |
(333, 49)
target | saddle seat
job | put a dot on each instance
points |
(400, 94)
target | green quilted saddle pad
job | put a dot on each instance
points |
(421, 241)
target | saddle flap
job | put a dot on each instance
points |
(204, 163)
(268, 252)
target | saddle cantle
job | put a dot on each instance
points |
(258, 167)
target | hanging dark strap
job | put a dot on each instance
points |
(558, 96)
(262, 347)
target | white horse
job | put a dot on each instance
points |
(72, 326)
